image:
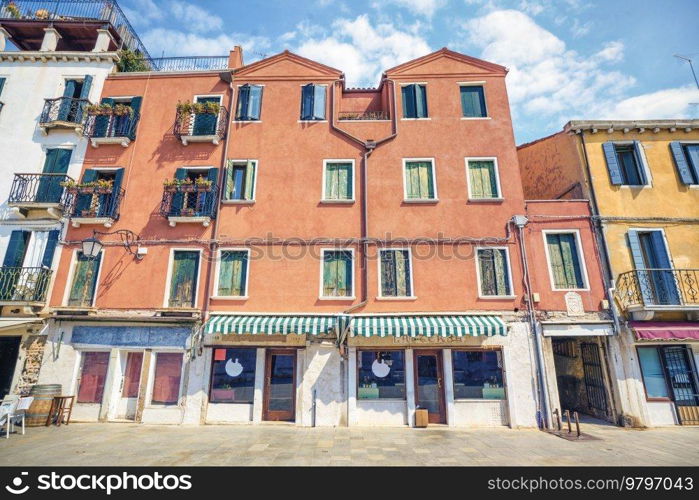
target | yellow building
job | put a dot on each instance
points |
(642, 178)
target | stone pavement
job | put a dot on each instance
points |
(159, 445)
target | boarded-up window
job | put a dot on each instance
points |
(93, 376)
(168, 370)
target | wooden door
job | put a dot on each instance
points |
(429, 384)
(280, 385)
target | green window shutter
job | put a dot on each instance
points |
(102, 121)
(502, 279)
(250, 179)
(483, 179)
(84, 281)
(337, 273)
(183, 283)
(408, 94)
(17, 247)
(495, 280)
(473, 101)
(232, 273)
(565, 262)
(329, 275)
(402, 273)
(87, 85)
(338, 181)
(307, 95)
(243, 98)
(419, 180)
(49, 189)
(136, 106)
(84, 201)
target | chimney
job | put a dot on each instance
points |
(235, 58)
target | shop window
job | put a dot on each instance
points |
(168, 371)
(381, 375)
(233, 376)
(478, 375)
(668, 373)
(92, 377)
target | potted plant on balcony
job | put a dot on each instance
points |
(170, 185)
(211, 108)
(184, 108)
(42, 14)
(71, 186)
(186, 185)
(13, 10)
(122, 110)
(202, 184)
(86, 187)
(104, 186)
(99, 109)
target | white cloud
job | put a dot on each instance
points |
(195, 18)
(144, 13)
(666, 103)
(420, 7)
(178, 43)
(612, 51)
(362, 50)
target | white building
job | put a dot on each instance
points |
(51, 69)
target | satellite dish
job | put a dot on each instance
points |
(380, 368)
(234, 369)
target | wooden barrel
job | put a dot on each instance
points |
(39, 410)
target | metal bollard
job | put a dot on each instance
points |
(557, 414)
(567, 415)
(577, 423)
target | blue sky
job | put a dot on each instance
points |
(568, 59)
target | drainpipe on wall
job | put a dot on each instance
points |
(520, 221)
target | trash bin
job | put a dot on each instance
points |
(421, 417)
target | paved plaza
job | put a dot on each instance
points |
(150, 445)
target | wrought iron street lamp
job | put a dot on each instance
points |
(92, 246)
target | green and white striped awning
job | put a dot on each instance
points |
(427, 326)
(270, 325)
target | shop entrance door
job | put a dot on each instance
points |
(131, 381)
(594, 378)
(280, 386)
(9, 348)
(429, 385)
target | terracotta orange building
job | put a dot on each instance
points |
(278, 246)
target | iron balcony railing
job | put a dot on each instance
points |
(63, 109)
(201, 124)
(24, 284)
(96, 204)
(183, 201)
(29, 189)
(106, 11)
(658, 287)
(189, 63)
(363, 115)
(110, 125)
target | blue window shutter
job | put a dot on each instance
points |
(612, 163)
(307, 102)
(14, 255)
(664, 281)
(421, 101)
(319, 102)
(642, 275)
(85, 90)
(50, 249)
(136, 106)
(178, 197)
(409, 110)
(255, 102)
(641, 160)
(683, 167)
(2, 84)
(69, 90)
(243, 98)
(102, 121)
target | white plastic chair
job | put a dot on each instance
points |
(7, 410)
(20, 410)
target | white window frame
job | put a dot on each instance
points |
(434, 181)
(77, 78)
(195, 99)
(217, 270)
(412, 295)
(323, 198)
(650, 230)
(325, 120)
(351, 296)
(254, 187)
(73, 265)
(485, 99)
(581, 256)
(644, 165)
(234, 103)
(512, 293)
(402, 108)
(494, 159)
(168, 279)
(151, 379)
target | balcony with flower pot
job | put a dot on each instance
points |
(111, 124)
(642, 293)
(200, 122)
(189, 201)
(39, 195)
(94, 203)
